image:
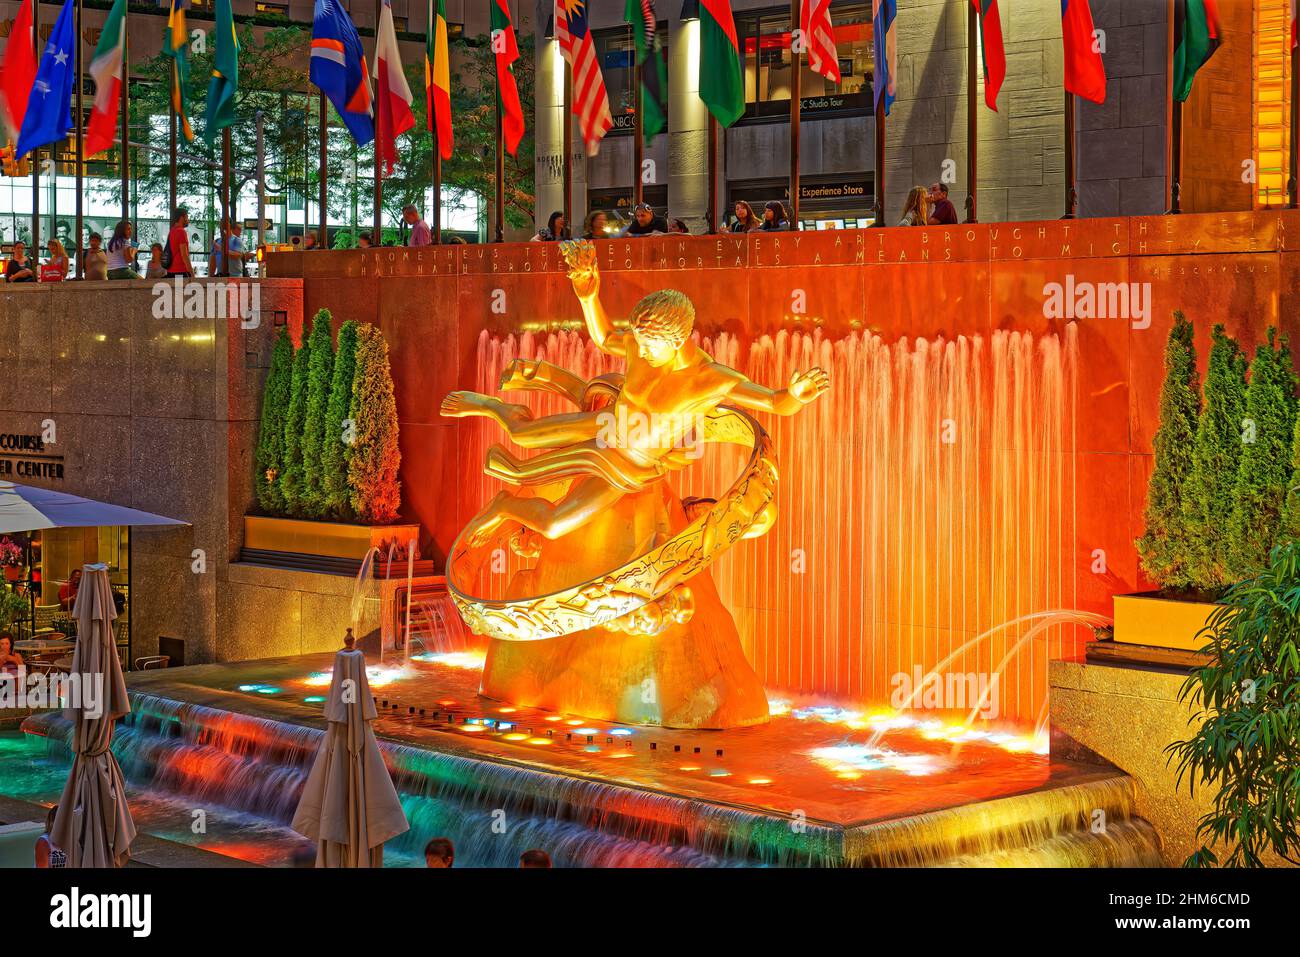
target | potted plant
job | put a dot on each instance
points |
(11, 557)
(1246, 748)
(13, 607)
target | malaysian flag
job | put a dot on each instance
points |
(819, 38)
(590, 101)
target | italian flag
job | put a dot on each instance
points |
(106, 68)
(722, 87)
(393, 115)
(437, 77)
(507, 52)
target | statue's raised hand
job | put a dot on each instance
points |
(807, 386)
(580, 256)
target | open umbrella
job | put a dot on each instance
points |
(94, 826)
(349, 806)
(26, 508)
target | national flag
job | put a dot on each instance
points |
(991, 51)
(18, 72)
(1197, 34)
(819, 38)
(49, 117)
(640, 16)
(722, 87)
(176, 44)
(106, 69)
(393, 98)
(1085, 74)
(507, 52)
(225, 74)
(590, 98)
(338, 68)
(437, 78)
(884, 40)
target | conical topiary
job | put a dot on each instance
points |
(320, 374)
(1264, 474)
(336, 444)
(291, 480)
(1164, 546)
(1216, 454)
(372, 472)
(268, 458)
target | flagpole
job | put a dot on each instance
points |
(171, 138)
(1175, 123)
(713, 175)
(225, 203)
(638, 129)
(880, 161)
(501, 170)
(1293, 183)
(796, 68)
(36, 154)
(323, 238)
(379, 173)
(568, 144)
(79, 149)
(125, 121)
(972, 117)
(1071, 191)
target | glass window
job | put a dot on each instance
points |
(765, 42)
(616, 53)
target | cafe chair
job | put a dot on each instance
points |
(43, 620)
(152, 662)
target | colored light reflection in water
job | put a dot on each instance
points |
(378, 676)
(849, 758)
(470, 660)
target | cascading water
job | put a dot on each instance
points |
(926, 500)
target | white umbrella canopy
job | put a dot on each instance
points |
(26, 508)
(349, 806)
(93, 825)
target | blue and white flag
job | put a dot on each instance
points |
(338, 69)
(885, 40)
(49, 115)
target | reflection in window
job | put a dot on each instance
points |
(765, 40)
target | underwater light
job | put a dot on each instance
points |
(472, 727)
(539, 740)
(586, 731)
(469, 660)
(689, 767)
(268, 689)
(515, 736)
(317, 678)
(842, 758)
(573, 721)
(313, 699)
(621, 732)
(249, 687)
(760, 780)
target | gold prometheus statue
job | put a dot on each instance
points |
(627, 435)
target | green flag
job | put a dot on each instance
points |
(225, 74)
(722, 86)
(1196, 36)
(640, 16)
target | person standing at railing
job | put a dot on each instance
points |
(56, 267)
(942, 211)
(421, 235)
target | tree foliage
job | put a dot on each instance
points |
(269, 455)
(1164, 546)
(1216, 454)
(372, 472)
(293, 477)
(320, 374)
(1264, 473)
(1247, 745)
(336, 447)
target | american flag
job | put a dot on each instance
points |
(590, 99)
(819, 38)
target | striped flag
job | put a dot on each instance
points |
(393, 98)
(176, 44)
(1085, 74)
(1197, 34)
(819, 38)
(437, 77)
(506, 51)
(884, 38)
(722, 87)
(338, 69)
(640, 16)
(18, 72)
(995, 58)
(590, 100)
(106, 68)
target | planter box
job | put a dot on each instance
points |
(1149, 618)
(327, 539)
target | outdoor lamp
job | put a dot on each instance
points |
(691, 10)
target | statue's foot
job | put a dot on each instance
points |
(459, 405)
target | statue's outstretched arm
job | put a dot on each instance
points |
(585, 276)
(804, 387)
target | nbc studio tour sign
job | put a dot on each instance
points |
(28, 456)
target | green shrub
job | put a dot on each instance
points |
(291, 481)
(268, 458)
(1164, 547)
(320, 373)
(372, 471)
(336, 447)
(1265, 472)
(1216, 454)
(1247, 747)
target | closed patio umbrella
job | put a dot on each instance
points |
(94, 826)
(349, 806)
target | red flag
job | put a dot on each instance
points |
(507, 52)
(18, 74)
(819, 38)
(995, 58)
(393, 115)
(1085, 75)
